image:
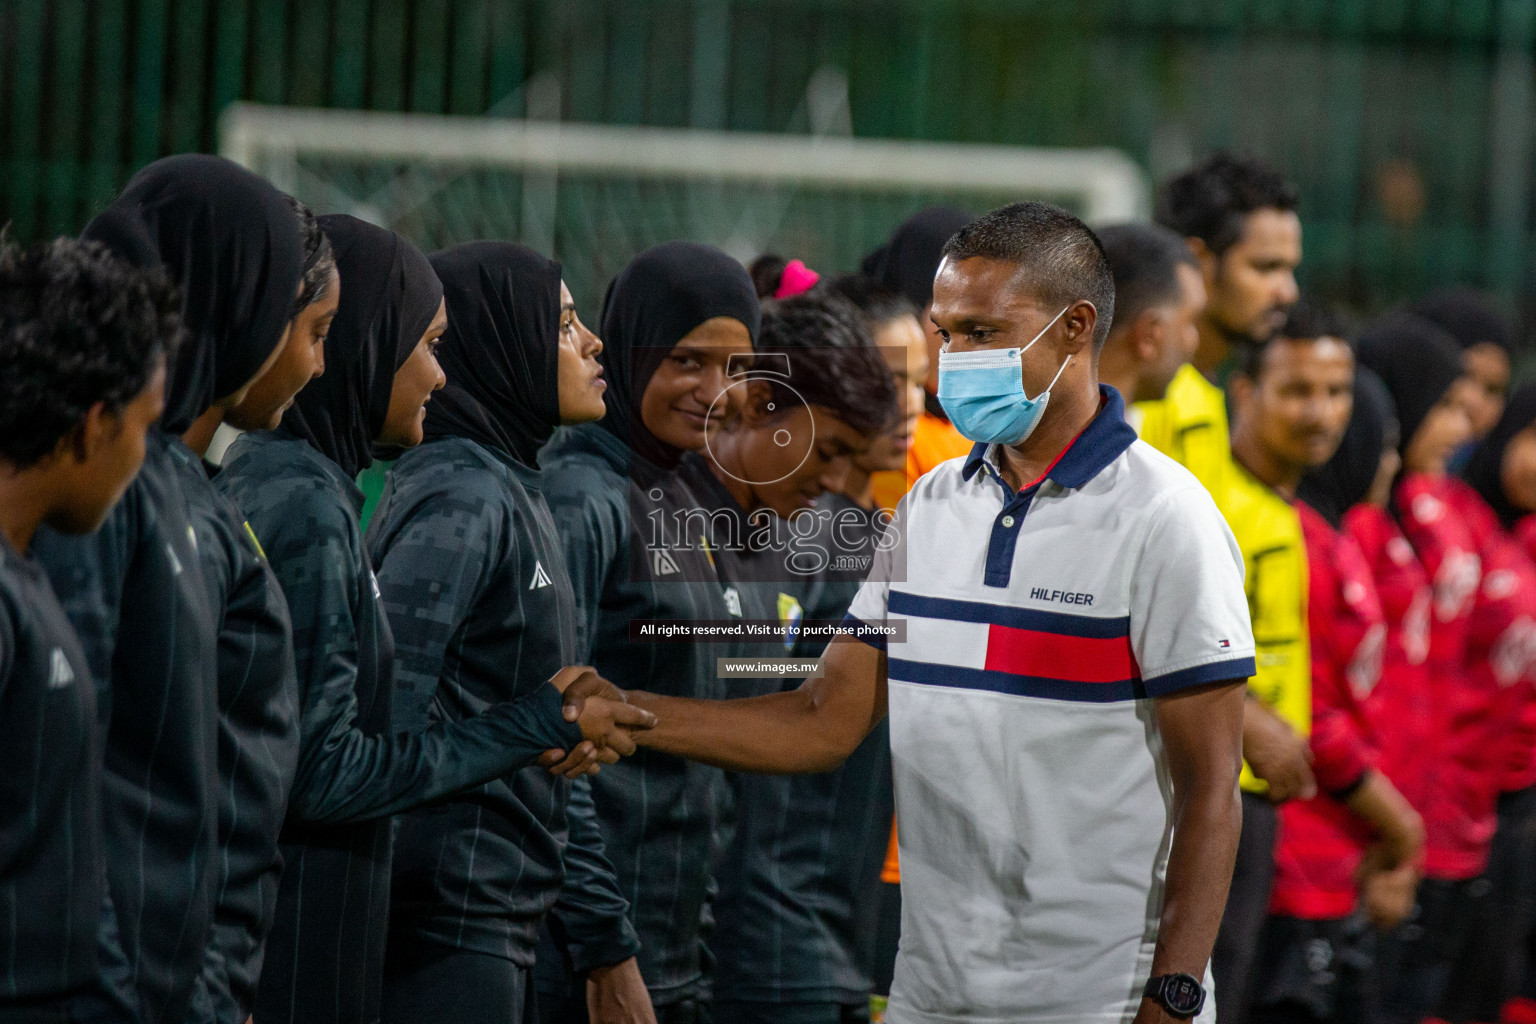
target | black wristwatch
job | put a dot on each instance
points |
(1181, 995)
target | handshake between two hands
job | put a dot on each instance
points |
(608, 722)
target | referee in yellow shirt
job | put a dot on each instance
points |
(1238, 218)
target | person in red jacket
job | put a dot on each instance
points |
(1421, 367)
(1502, 475)
(1318, 951)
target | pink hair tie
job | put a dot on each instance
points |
(797, 278)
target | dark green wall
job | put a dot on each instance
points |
(1357, 99)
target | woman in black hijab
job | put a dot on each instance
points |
(355, 768)
(1503, 467)
(1349, 477)
(1420, 366)
(1486, 338)
(146, 598)
(677, 322)
(482, 611)
(1457, 539)
(1502, 471)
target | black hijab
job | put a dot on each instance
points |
(501, 352)
(1343, 481)
(1416, 360)
(389, 296)
(908, 260)
(1466, 315)
(651, 305)
(231, 241)
(1485, 470)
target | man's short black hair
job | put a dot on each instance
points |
(831, 360)
(77, 326)
(1210, 200)
(1062, 259)
(1145, 260)
(319, 259)
(878, 304)
(1304, 322)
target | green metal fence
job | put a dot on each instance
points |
(1408, 123)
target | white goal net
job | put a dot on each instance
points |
(594, 195)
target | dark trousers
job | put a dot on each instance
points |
(1314, 972)
(88, 1008)
(791, 1013)
(1415, 961)
(1493, 963)
(887, 937)
(573, 1010)
(1237, 943)
(425, 983)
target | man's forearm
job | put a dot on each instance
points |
(1399, 826)
(810, 729)
(1207, 823)
(780, 733)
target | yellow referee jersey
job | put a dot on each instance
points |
(1190, 426)
(1268, 531)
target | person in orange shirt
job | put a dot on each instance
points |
(906, 263)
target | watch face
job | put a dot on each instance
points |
(1183, 994)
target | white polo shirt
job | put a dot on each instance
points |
(1031, 788)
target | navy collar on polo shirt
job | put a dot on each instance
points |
(1100, 443)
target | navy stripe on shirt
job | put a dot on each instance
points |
(928, 674)
(1086, 626)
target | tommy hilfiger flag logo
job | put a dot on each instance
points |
(540, 577)
(1223, 644)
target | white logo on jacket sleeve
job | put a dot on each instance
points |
(1456, 583)
(1515, 652)
(60, 674)
(1364, 669)
(540, 577)
(1416, 628)
(1427, 509)
(662, 564)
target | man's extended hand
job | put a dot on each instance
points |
(1277, 754)
(605, 718)
(617, 995)
(1387, 894)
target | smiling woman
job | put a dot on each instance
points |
(800, 429)
(673, 321)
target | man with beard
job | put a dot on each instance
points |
(1239, 219)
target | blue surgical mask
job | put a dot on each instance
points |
(983, 392)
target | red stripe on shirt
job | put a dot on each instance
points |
(1028, 652)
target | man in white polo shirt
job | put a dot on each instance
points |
(1066, 699)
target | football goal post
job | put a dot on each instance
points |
(594, 195)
